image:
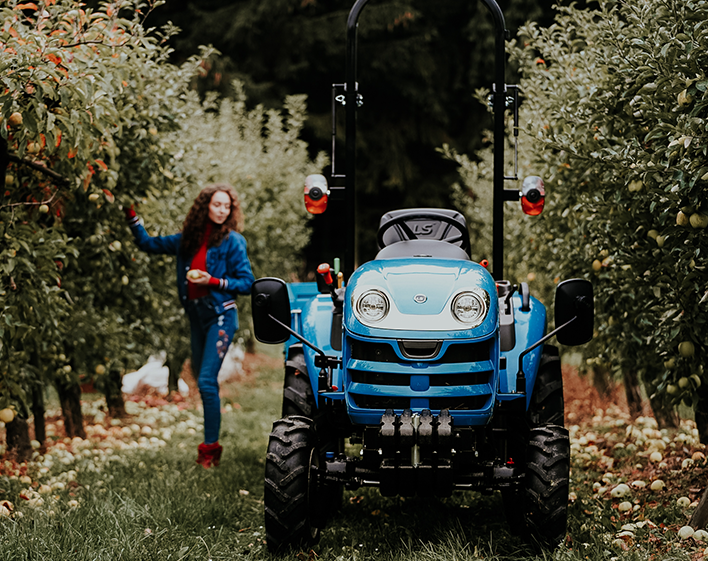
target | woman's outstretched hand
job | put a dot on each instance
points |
(129, 211)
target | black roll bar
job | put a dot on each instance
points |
(499, 106)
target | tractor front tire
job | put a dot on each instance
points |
(547, 406)
(546, 484)
(298, 398)
(291, 490)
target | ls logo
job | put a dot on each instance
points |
(422, 229)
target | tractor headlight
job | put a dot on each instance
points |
(470, 308)
(372, 306)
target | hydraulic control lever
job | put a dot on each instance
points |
(324, 272)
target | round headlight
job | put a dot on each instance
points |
(372, 306)
(469, 308)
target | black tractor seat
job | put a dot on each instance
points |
(430, 232)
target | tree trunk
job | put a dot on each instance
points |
(634, 396)
(18, 440)
(70, 399)
(665, 415)
(701, 414)
(40, 433)
(114, 395)
(175, 363)
(602, 380)
(700, 515)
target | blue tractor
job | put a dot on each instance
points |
(434, 369)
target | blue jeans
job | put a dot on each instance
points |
(211, 334)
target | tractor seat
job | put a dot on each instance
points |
(433, 232)
(422, 248)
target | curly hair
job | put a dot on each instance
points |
(198, 216)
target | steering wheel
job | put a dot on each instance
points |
(401, 221)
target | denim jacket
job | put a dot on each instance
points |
(227, 262)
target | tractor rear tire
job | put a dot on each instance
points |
(291, 489)
(547, 406)
(546, 484)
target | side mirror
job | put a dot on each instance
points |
(574, 299)
(269, 297)
(316, 193)
(533, 195)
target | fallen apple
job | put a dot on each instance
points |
(620, 491)
(683, 502)
(93, 197)
(700, 535)
(685, 532)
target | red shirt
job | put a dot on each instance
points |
(199, 262)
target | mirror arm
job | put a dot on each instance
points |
(297, 335)
(521, 377)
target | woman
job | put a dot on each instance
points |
(212, 268)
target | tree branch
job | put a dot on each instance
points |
(59, 179)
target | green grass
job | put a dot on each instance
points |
(158, 504)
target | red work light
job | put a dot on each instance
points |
(316, 194)
(533, 195)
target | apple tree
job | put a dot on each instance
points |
(87, 99)
(614, 115)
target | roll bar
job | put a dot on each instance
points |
(499, 94)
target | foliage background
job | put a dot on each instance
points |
(614, 116)
(108, 121)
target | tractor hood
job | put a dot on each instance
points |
(421, 298)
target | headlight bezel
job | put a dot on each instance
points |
(481, 297)
(364, 318)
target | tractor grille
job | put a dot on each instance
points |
(389, 402)
(379, 351)
(470, 402)
(408, 373)
(444, 380)
(467, 352)
(373, 351)
(381, 402)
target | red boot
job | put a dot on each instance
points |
(209, 454)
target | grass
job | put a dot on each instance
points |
(154, 502)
